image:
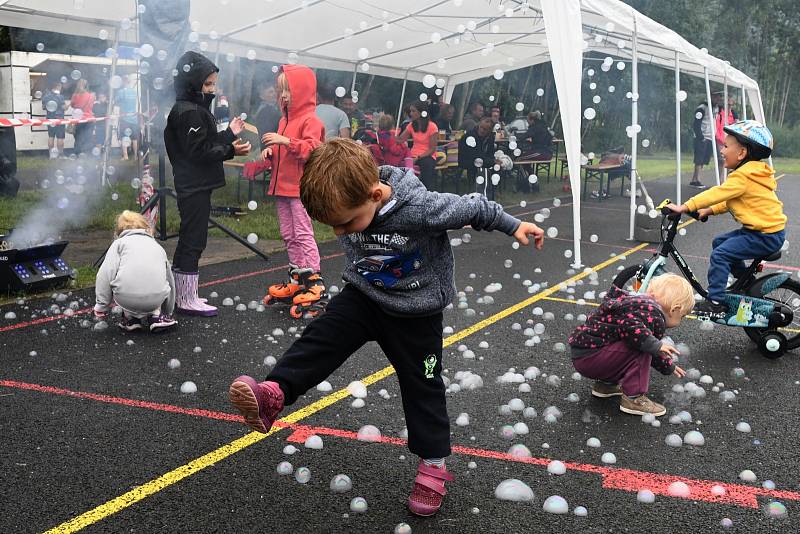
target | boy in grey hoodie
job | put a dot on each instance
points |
(399, 280)
(136, 275)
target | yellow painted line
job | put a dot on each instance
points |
(176, 475)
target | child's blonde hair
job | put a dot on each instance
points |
(672, 290)
(385, 122)
(130, 220)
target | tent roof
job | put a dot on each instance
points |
(473, 38)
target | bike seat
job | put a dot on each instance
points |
(772, 257)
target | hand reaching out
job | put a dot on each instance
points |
(241, 148)
(236, 125)
(679, 372)
(529, 229)
(273, 138)
(668, 350)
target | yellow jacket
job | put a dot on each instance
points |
(749, 194)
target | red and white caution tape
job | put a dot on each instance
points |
(12, 123)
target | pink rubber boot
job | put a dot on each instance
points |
(426, 497)
(186, 299)
(259, 402)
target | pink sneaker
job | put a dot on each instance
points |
(429, 490)
(259, 402)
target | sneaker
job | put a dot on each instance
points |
(641, 405)
(426, 497)
(711, 308)
(159, 323)
(258, 402)
(604, 390)
(698, 185)
(129, 324)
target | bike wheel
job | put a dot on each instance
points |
(788, 294)
(626, 279)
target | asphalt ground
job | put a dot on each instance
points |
(96, 435)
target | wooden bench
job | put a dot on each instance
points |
(596, 173)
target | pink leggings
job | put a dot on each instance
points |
(297, 232)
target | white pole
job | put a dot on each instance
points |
(402, 96)
(725, 118)
(677, 129)
(353, 85)
(744, 104)
(713, 126)
(634, 122)
(107, 125)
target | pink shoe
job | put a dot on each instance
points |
(186, 299)
(259, 403)
(429, 490)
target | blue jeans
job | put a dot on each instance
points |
(729, 252)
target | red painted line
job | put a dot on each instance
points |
(43, 320)
(629, 480)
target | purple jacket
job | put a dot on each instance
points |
(635, 319)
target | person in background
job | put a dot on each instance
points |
(336, 121)
(222, 113)
(129, 130)
(703, 137)
(537, 140)
(475, 114)
(55, 105)
(9, 185)
(137, 276)
(719, 130)
(82, 101)
(350, 106)
(423, 132)
(392, 152)
(476, 154)
(267, 116)
(444, 121)
(495, 115)
(100, 109)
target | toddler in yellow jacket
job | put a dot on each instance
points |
(749, 195)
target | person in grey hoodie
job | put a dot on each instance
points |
(399, 278)
(137, 276)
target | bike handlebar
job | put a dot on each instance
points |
(675, 216)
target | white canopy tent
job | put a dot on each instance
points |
(455, 41)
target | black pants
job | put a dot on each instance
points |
(413, 346)
(84, 138)
(427, 171)
(487, 185)
(193, 234)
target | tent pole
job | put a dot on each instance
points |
(353, 85)
(104, 176)
(713, 126)
(634, 122)
(402, 96)
(726, 108)
(744, 104)
(677, 129)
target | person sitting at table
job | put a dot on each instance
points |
(495, 114)
(537, 141)
(446, 112)
(476, 154)
(475, 110)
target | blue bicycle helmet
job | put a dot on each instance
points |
(753, 135)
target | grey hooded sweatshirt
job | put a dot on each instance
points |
(403, 260)
(136, 274)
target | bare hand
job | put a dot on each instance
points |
(240, 148)
(704, 212)
(236, 125)
(679, 372)
(529, 229)
(266, 154)
(677, 209)
(273, 138)
(669, 350)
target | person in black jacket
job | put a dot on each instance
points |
(196, 152)
(537, 141)
(476, 154)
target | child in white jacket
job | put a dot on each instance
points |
(137, 276)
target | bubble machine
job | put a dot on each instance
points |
(33, 268)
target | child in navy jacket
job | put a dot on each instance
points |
(623, 338)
